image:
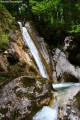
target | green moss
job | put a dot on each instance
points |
(27, 81)
(29, 96)
(4, 78)
(14, 71)
(42, 80)
(3, 110)
(14, 115)
(7, 23)
(5, 19)
(31, 68)
(4, 40)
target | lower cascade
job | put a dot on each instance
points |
(47, 113)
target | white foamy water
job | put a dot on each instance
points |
(34, 51)
(47, 113)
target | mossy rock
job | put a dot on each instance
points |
(24, 96)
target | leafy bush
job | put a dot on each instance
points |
(75, 29)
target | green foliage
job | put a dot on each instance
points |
(14, 72)
(4, 40)
(22, 9)
(75, 29)
(56, 13)
(12, 8)
(6, 25)
(56, 17)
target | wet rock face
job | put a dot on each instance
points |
(67, 62)
(72, 50)
(23, 97)
(78, 98)
(69, 105)
(64, 70)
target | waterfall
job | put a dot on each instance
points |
(39, 40)
(34, 51)
(47, 113)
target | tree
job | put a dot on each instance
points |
(57, 14)
(54, 17)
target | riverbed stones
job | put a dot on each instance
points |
(23, 97)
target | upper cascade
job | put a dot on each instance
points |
(34, 51)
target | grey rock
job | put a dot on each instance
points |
(23, 97)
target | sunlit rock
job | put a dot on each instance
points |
(64, 69)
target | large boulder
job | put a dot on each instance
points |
(23, 97)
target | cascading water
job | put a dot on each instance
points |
(39, 40)
(47, 113)
(34, 51)
(64, 85)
